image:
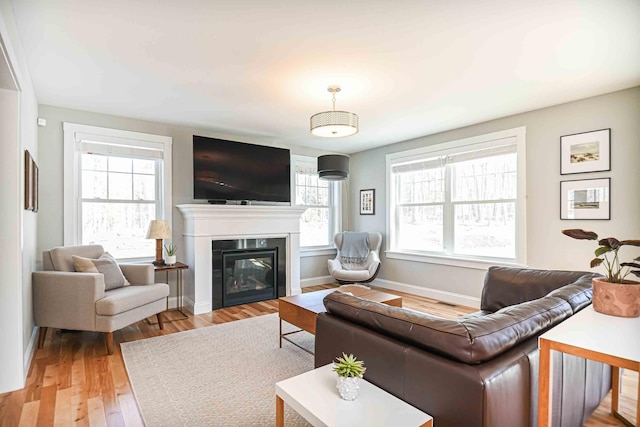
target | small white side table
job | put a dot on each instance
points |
(595, 336)
(314, 396)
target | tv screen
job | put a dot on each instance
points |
(230, 170)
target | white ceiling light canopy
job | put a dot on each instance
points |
(334, 124)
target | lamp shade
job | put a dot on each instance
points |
(333, 167)
(159, 229)
(334, 124)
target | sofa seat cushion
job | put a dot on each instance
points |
(106, 265)
(470, 340)
(123, 299)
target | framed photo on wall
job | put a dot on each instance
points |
(585, 199)
(30, 183)
(368, 202)
(585, 152)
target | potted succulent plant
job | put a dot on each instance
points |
(350, 372)
(171, 249)
(613, 294)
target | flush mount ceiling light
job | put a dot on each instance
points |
(334, 124)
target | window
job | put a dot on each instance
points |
(116, 182)
(321, 219)
(459, 200)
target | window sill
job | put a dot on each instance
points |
(476, 264)
(317, 251)
(139, 260)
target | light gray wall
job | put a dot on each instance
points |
(18, 228)
(546, 246)
(51, 169)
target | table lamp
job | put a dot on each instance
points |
(159, 229)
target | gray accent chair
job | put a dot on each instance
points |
(351, 273)
(63, 298)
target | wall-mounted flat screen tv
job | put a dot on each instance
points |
(229, 170)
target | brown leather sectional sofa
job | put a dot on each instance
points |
(479, 370)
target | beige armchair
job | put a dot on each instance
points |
(66, 299)
(351, 273)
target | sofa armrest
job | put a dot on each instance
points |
(138, 274)
(66, 299)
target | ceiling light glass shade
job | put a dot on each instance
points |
(333, 167)
(334, 124)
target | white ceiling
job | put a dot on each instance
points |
(259, 68)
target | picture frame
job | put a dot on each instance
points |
(36, 187)
(585, 199)
(368, 202)
(585, 152)
(30, 183)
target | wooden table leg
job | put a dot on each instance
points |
(638, 401)
(279, 412)
(544, 385)
(615, 389)
(280, 332)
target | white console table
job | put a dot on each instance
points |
(314, 395)
(595, 336)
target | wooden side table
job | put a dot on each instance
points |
(595, 336)
(178, 267)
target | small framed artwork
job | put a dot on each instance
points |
(585, 152)
(35, 187)
(30, 183)
(368, 202)
(585, 199)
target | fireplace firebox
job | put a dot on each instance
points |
(248, 270)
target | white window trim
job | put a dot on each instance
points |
(335, 210)
(519, 134)
(311, 251)
(74, 132)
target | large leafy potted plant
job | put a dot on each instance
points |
(613, 294)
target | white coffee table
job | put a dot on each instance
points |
(314, 396)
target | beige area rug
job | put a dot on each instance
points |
(222, 375)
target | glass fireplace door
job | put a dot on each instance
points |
(248, 276)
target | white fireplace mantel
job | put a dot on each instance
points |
(205, 223)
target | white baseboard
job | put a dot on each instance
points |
(313, 281)
(450, 297)
(30, 351)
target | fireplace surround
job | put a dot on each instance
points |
(204, 224)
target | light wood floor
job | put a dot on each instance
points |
(72, 381)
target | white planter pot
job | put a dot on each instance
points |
(170, 260)
(349, 387)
